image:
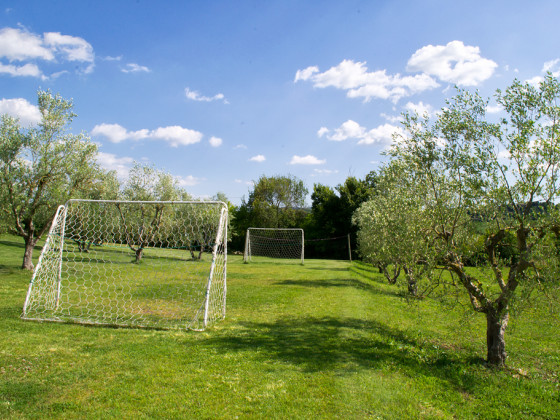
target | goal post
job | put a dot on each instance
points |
(153, 264)
(284, 243)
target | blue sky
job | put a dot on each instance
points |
(219, 93)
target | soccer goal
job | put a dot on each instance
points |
(133, 263)
(274, 243)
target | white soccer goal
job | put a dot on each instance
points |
(274, 243)
(133, 263)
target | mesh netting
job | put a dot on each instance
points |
(141, 264)
(274, 243)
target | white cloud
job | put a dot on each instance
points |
(382, 134)
(325, 171)
(111, 162)
(135, 68)
(359, 83)
(115, 133)
(25, 70)
(71, 48)
(453, 63)
(494, 109)
(306, 160)
(240, 181)
(215, 141)
(239, 146)
(420, 108)
(258, 158)
(27, 113)
(306, 74)
(195, 96)
(352, 130)
(535, 80)
(188, 181)
(392, 118)
(174, 135)
(21, 45)
(552, 66)
(322, 131)
(348, 129)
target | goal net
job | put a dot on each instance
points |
(274, 243)
(132, 263)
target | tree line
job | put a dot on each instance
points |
(43, 167)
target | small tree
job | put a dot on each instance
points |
(472, 172)
(275, 201)
(146, 183)
(41, 168)
(392, 229)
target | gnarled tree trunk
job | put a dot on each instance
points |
(30, 243)
(411, 281)
(496, 324)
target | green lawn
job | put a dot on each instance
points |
(328, 339)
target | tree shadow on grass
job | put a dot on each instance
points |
(340, 282)
(348, 345)
(20, 245)
(328, 268)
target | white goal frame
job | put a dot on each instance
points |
(292, 241)
(147, 264)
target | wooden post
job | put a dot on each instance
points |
(349, 249)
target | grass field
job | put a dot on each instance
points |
(328, 339)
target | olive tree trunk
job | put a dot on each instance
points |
(30, 243)
(496, 324)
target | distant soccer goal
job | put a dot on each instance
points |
(133, 263)
(274, 243)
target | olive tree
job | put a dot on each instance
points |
(477, 172)
(392, 228)
(42, 167)
(147, 183)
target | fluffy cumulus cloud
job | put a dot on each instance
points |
(382, 134)
(453, 63)
(306, 160)
(195, 96)
(420, 108)
(358, 82)
(68, 47)
(258, 158)
(116, 133)
(348, 129)
(20, 49)
(552, 66)
(174, 135)
(215, 141)
(188, 181)
(352, 130)
(112, 162)
(27, 113)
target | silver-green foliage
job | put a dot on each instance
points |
(486, 187)
(42, 167)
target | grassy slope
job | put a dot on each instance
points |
(323, 340)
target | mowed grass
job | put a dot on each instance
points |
(328, 339)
